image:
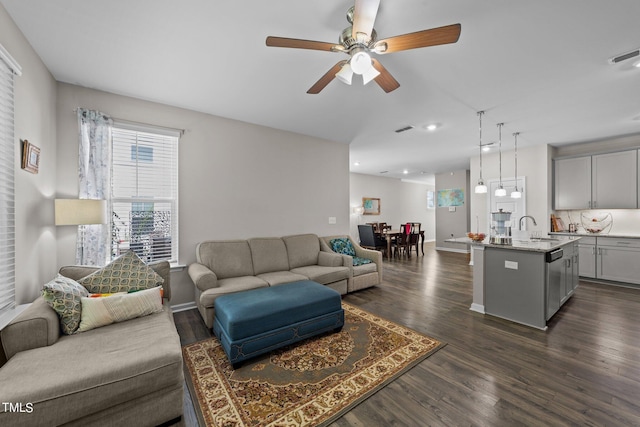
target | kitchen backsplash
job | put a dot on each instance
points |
(625, 221)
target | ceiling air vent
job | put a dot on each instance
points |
(404, 129)
(625, 56)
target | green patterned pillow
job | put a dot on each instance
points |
(125, 273)
(360, 261)
(342, 245)
(64, 295)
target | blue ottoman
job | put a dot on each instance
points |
(257, 321)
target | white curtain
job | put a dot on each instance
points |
(94, 166)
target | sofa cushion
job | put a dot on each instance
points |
(302, 249)
(64, 296)
(281, 277)
(85, 373)
(364, 269)
(98, 312)
(226, 258)
(125, 273)
(323, 275)
(268, 254)
(230, 285)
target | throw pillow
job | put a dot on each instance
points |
(125, 273)
(64, 296)
(342, 245)
(98, 312)
(360, 261)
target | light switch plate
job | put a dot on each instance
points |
(332, 220)
(452, 208)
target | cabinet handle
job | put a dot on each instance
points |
(589, 204)
(593, 251)
(595, 204)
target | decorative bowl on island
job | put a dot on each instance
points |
(476, 237)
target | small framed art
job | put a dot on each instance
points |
(30, 157)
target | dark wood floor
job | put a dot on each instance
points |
(584, 370)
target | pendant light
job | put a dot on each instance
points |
(480, 188)
(515, 194)
(500, 191)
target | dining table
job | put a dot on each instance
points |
(390, 234)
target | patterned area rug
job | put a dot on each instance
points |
(310, 383)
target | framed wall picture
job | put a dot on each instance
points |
(371, 206)
(30, 157)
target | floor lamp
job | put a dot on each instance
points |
(80, 212)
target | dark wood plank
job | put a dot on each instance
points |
(584, 370)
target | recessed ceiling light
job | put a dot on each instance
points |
(405, 171)
(432, 127)
(356, 163)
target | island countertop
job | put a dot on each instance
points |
(545, 244)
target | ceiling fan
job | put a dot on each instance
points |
(359, 40)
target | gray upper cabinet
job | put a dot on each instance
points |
(615, 180)
(602, 181)
(572, 183)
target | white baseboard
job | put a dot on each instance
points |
(184, 307)
(460, 251)
(477, 308)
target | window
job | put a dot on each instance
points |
(144, 192)
(7, 202)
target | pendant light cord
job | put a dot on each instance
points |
(500, 149)
(516, 156)
(480, 113)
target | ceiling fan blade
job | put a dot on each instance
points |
(385, 80)
(364, 16)
(303, 44)
(424, 38)
(326, 79)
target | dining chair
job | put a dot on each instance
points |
(369, 240)
(414, 236)
(400, 244)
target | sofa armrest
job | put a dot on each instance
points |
(330, 259)
(37, 326)
(203, 277)
(375, 256)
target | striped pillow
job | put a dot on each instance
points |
(98, 312)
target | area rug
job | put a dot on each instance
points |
(310, 383)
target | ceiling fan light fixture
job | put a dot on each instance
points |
(345, 74)
(360, 61)
(369, 75)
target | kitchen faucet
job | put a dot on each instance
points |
(523, 217)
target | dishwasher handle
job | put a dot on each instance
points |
(554, 255)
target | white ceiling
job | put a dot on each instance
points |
(541, 67)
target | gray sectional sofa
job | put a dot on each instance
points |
(127, 373)
(228, 266)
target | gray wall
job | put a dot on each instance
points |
(456, 223)
(35, 120)
(236, 180)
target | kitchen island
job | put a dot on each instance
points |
(527, 281)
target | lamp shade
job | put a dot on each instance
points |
(80, 211)
(345, 74)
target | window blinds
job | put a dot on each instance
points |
(7, 203)
(144, 191)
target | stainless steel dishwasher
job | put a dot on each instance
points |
(555, 270)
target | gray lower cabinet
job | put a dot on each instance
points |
(618, 259)
(610, 258)
(587, 250)
(570, 277)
